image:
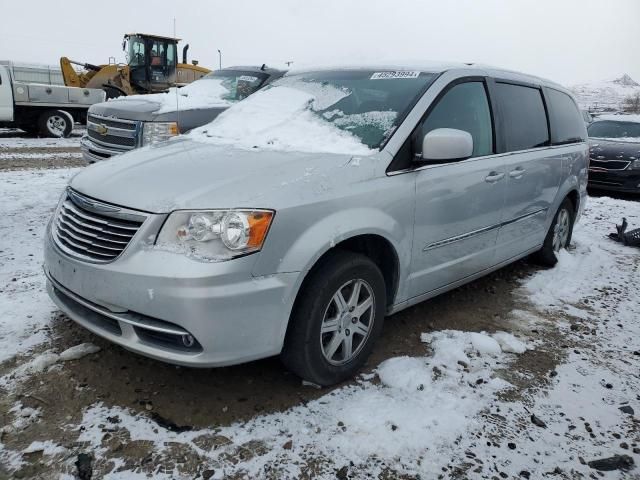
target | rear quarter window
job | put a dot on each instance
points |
(567, 124)
(524, 118)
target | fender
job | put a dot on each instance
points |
(301, 252)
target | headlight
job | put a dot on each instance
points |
(635, 165)
(155, 132)
(215, 235)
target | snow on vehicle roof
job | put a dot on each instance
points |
(431, 67)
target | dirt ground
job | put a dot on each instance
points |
(198, 398)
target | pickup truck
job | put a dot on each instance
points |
(125, 123)
(32, 100)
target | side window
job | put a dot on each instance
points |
(171, 55)
(524, 117)
(464, 107)
(567, 124)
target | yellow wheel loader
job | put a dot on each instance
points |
(152, 66)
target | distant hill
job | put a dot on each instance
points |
(607, 95)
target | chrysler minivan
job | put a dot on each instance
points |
(300, 218)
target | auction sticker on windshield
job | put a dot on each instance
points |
(396, 74)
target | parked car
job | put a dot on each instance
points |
(586, 116)
(615, 153)
(32, 99)
(125, 123)
(301, 217)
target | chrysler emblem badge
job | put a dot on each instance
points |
(88, 204)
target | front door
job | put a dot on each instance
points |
(458, 204)
(6, 96)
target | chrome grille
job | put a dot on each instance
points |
(91, 230)
(112, 139)
(609, 164)
(112, 122)
(119, 134)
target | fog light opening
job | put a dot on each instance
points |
(188, 341)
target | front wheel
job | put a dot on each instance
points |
(337, 319)
(558, 236)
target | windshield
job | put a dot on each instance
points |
(238, 84)
(342, 111)
(615, 129)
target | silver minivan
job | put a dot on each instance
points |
(300, 218)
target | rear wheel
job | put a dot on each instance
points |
(337, 319)
(558, 236)
(55, 124)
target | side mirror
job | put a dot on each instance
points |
(447, 144)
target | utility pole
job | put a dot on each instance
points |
(220, 59)
(289, 63)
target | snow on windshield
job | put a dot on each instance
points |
(283, 118)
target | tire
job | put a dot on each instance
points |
(558, 236)
(55, 124)
(322, 357)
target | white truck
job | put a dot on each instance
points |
(34, 99)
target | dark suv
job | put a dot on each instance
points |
(615, 153)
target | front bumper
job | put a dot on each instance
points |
(93, 152)
(147, 300)
(626, 181)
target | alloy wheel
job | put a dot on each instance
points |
(347, 322)
(561, 230)
(56, 125)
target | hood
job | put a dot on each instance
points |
(136, 107)
(184, 174)
(147, 110)
(612, 149)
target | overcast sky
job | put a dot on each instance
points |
(569, 41)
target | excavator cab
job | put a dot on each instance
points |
(152, 61)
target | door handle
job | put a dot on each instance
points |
(517, 173)
(493, 177)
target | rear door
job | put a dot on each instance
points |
(458, 204)
(533, 167)
(6, 96)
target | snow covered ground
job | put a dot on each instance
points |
(14, 138)
(457, 411)
(28, 199)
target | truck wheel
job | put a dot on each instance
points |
(558, 236)
(55, 124)
(336, 319)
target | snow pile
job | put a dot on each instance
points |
(204, 93)
(47, 448)
(49, 358)
(410, 421)
(508, 343)
(281, 118)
